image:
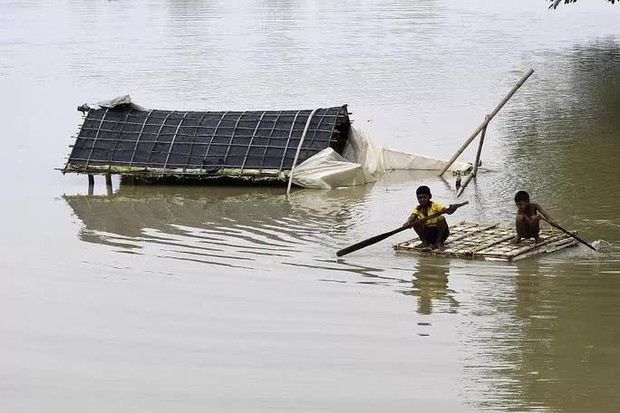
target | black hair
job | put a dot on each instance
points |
(423, 190)
(522, 196)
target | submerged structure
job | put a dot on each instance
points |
(126, 139)
(316, 148)
(490, 242)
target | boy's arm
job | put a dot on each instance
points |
(412, 218)
(545, 214)
(449, 210)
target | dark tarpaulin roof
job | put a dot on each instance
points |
(159, 143)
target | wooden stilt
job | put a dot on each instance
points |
(91, 184)
(108, 184)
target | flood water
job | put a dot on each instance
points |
(194, 299)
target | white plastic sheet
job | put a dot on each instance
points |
(119, 100)
(327, 170)
(362, 162)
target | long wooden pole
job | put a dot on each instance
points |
(476, 163)
(569, 233)
(486, 121)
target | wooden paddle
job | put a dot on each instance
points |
(568, 233)
(380, 237)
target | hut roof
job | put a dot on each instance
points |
(126, 139)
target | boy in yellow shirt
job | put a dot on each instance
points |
(432, 232)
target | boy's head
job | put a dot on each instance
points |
(423, 193)
(522, 196)
(522, 199)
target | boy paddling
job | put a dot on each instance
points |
(432, 232)
(528, 218)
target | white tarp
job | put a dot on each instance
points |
(362, 162)
(119, 100)
(327, 170)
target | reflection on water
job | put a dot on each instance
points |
(249, 227)
(243, 324)
(569, 357)
(430, 286)
(222, 226)
(545, 338)
(235, 227)
(529, 332)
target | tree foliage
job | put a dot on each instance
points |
(556, 3)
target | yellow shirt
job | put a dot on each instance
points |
(432, 208)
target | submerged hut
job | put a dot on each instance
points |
(123, 138)
(313, 148)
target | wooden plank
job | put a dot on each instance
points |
(458, 229)
(527, 248)
(491, 244)
(477, 230)
(549, 248)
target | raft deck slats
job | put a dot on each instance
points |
(492, 242)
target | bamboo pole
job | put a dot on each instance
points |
(476, 163)
(479, 153)
(486, 121)
(301, 141)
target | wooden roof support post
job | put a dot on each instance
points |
(484, 124)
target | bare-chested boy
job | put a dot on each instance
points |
(528, 218)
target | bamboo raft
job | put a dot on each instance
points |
(490, 242)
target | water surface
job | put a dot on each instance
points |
(156, 298)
